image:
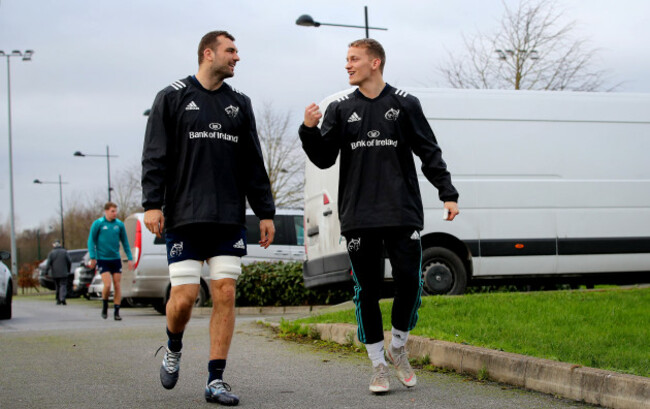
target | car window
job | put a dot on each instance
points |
(76, 256)
(252, 229)
(284, 230)
(300, 230)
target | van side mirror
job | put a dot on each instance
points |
(5, 255)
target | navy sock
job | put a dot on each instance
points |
(104, 305)
(175, 342)
(215, 369)
(117, 309)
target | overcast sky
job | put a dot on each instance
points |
(98, 65)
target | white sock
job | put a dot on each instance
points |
(399, 338)
(376, 353)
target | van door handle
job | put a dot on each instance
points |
(327, 212)
(312, 231)
(282, 252)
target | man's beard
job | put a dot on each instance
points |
(224, 72)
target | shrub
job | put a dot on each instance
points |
(28, 276)
(281, 284)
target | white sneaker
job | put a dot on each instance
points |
(379, 382)
(400, 359)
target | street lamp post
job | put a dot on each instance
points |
(307, 21)
(108, 165)
(60, 183)
(26, 56)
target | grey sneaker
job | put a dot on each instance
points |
(379, 382)
(219, 392)
(170, 367)
(400, 358)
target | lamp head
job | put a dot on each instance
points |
(77, 153)
(306, 21)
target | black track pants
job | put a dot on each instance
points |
(365, 248)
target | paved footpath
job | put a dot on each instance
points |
(109, 364)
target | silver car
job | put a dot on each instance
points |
(149, 282)
(6, 287)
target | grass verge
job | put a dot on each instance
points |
(607, 329)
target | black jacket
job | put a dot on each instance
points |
(59, 263)
(202, 158)
(378, 183)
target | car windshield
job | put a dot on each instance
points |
(76, 256)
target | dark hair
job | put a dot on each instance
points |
(211, 40)
(109, 205)
(373, 48)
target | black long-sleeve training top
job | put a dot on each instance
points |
(378, 183)
(202, 158)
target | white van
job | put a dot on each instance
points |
(149, 282)
(554, 186)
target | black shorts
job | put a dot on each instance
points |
(109, 266)
(204, 241)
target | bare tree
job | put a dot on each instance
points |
(128, 191)
(532, 49)
(78, 218)
(282, 157)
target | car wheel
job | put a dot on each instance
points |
(201, 298)
(130, 302)
(443, 272)
(5, 310)
(161, 306)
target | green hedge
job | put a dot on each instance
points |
(281, 284)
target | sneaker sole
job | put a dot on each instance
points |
(378, 389)
(210, 399)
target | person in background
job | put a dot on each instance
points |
(104, 239)
(58, 265)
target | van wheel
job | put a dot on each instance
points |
(442, 272)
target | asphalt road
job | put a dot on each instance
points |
(68, 357)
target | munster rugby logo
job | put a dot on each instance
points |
(232, 111)
(354, 244)
(392, 114)
(176, 249)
